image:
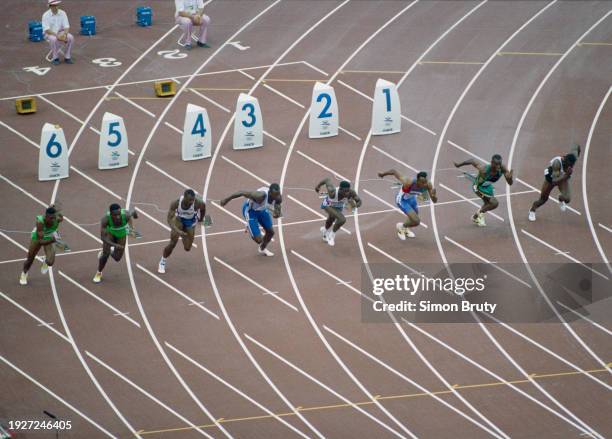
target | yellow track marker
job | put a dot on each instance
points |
(395, 72)
(531, 53)
(453, 62)
(594, 44)
(380, 398)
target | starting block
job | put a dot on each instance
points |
(165, 88)
(25, 105)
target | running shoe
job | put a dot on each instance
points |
(265, 252)
(409, 233)
(44, 268)
(23, 278)
(161, 268)
(323, 233)
(97, 278)
(401, 232)
(330, 238)
(562, 206)
(532, 216)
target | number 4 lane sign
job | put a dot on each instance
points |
(197, 137)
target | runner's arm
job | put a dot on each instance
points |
(331, 190)
(172, 216)
(277, 207)
(556, 173)
(508, 175)
(40, 234)
(433, 195)
(104, 235)
(202, 210)
(355, 198)
(256, 196)
(575, 150)
(401, 178)
(474, 163)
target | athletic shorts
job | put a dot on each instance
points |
(408, 205)
(255, 218)
(486, 190)
(188, 223)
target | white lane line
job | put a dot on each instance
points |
(246, 74)
(169, 125)
(227, 211)
(493, 374)
(92, 180)
(395, 159)
(57, 397)
(386, 203)
(492, 264)
(321, 384)
(321, 165)
(147, 81)
(45, 205)
(473, 203)
(14, 131)
(147, 394)
(523, 182)
(99, 299)
(69, 114)
(206, 98)
(562, 253)
(266, 291)
(315, 68)
(276, 139)
(179, 292)
(353, 135)
(582, 316)
(585, 197)
(236, 390)
(165, 174)
(333, 276)
(397, 261)
(548, 351)
(246, 171)
(608, 229)
(134, 104)
(137, 166)
(152, 218)
(360, 93)
(40, 321)
(284, 96)
(410, 381)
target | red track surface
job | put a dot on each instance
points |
(207, 350)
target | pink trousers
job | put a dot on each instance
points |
(55, 45)
(187, 27)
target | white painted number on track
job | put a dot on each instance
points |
(172, 54)
(239, 46)
(40, 71)
(106, 62)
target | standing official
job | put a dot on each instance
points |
(190, 13)
(55, 27)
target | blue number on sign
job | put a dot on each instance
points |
(199, 128)
(251, 114)
(53, 144)
(328, 100)
(112, 130)
(387, 92)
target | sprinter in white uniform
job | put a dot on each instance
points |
(183, 215)
(256, 211)
(558, 174)
(333, 204)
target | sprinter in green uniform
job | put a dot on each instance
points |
(44, 235)
(115, 226)
(482, 184)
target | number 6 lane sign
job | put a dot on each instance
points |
(53, 154)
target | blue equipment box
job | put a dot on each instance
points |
(144, 16)
(35, 31)
(88, 25)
